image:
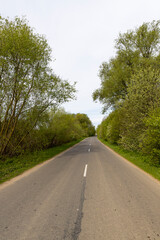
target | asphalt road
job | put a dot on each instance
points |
(86, 193)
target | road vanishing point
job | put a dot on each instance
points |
(86, 193)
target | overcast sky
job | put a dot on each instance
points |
(82, 35)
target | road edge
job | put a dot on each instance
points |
(34, 169)
(132, 164)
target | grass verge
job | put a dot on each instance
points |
(140, 160)
(14, 166)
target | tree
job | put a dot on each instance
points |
(65, 127)
(27, 84)
(143, 97)
(86, 124)
(144, 40)
(130, 86)
(114, 76)
(150, 139)
(109, 129)
(134, 49)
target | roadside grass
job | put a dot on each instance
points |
(14, 166)
(140, 160)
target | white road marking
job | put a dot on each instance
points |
(85, 171)
(89, 150)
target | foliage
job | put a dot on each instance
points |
(137, 158)
(113, 128)
(150, 140)
(14, 166)
(27, 84)
(65, 128)
(143, 97)
(130, 87)
(114, 76)
(86, 124)
(132, 48)
(109, 129)
(144, 40)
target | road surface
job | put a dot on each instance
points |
(86, 193)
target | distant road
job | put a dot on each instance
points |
(86, 193)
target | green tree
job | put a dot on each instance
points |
(130, 85)
(65, 128)
(114, 76)
(39, 138)
(27, 84)
(109, 129)
(86, 124)
(143, 97)
(134, 49)
(144, 40)
(150, 139)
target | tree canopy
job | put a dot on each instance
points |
(134, 49)
(28, 86)
(130, 86)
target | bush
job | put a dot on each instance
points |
(150, 139)
(109, 129)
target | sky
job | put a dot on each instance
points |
(82, 34)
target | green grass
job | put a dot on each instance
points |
(14, 166)
(140, 160)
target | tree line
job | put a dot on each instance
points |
(31, 94)
(130, 91)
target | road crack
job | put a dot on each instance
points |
(77, 228)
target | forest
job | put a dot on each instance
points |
(130, 92)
